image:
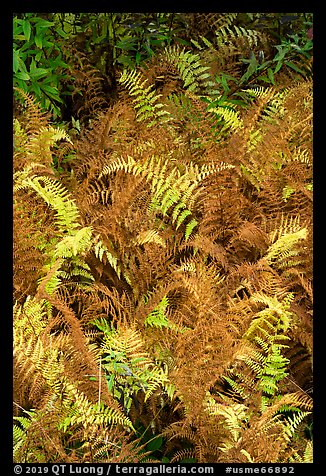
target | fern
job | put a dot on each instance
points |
(55, 195)
(83, 412)
(293, 423)
(284, 247)
(233, 415)
(227, 34)
(169, 191)
(196, 77)
(20, 435)
(100, 250)
(158, 317)
(129, 369)
(172, 191)
(227, 113)
(150, 236)
(146, 100)
(307, 456)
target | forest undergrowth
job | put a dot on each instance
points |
(163, 264)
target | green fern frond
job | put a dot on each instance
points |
(196, 77)
(158, 317)
(274, 317)
(230, 117)
(29, 318)
(83, 412)
(291, 424)
(146, 100)
(101, 250)
(55, 195)
(129, 368)
(74, 245)
(190, 227)
(287, 192)
(169, 190)
(307, 456)
(237, 387)
(252, 176)
(284, 247)
(40, 145)
(233, 415)
(20, 432)
(208, 169)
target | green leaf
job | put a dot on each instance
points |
(19, 37)
(38, 41)
(278, 66)
(38, 73)
(271, 75)
(294, 67)
(38, 55)
(22, 75)
(127, 44)
(52, 92)
(27, 29)
(155, 444)
(41, 23)
(263, 78)
(15, 61)
(62, 33)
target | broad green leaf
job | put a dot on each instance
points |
(52, 92)
(271, 75)
(62, 33)
(19, 37)
(41, 23)
(155, 444)
(22, 75)
(27, 29)
(15, 61)
(278, 66)
(38, 41)
(38, 73)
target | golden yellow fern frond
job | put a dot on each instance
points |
(150, 236)
(284, 247)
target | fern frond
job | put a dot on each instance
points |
(129, 368)
(184, 454)
(233, 415)
(273, 321)
(232, 34)
(169, 190)
(150, 236)
(195, 76)
(77, 244)
(284, 247)
(230, 117)
(291, 424)
(146, 100)
(287, 224)
(83, 412)
(39, 146)
(190, 227)
(20, 433)
(55, 195)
